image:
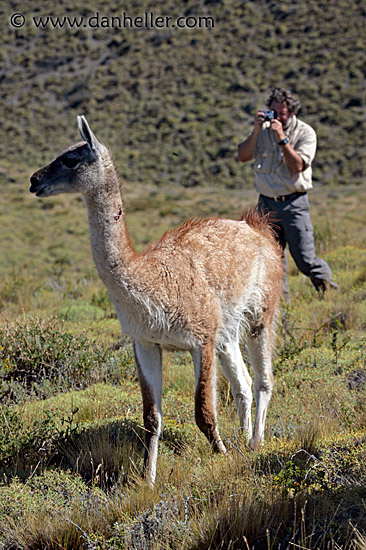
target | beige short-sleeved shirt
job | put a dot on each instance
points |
(272, 176)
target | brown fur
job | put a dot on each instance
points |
(260, 221)
(179, 233)
(205, 399)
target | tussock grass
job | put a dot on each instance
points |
(104, 453)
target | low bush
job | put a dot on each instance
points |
(38, 358)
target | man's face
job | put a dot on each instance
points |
(283, 114)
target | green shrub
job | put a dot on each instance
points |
(22, 448)
(38, 358)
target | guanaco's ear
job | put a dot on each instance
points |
(88, 136)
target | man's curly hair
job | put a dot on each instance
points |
(280, 95)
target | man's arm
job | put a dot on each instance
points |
(293, 160)
(246, 148)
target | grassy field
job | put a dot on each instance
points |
(71, 415)
(172, 106)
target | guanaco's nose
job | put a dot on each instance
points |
(36, 178)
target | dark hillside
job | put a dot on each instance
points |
(173, 103)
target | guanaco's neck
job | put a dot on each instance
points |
(111, 247)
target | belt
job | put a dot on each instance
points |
(283, 198)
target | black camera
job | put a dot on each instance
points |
(269, 115)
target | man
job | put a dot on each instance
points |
(283, 148)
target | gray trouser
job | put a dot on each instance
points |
(293, 226)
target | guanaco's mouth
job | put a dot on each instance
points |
(37, 189)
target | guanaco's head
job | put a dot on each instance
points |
(77, 169)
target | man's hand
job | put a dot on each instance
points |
(258, 121)
(276, 126)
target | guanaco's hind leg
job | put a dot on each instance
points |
(149, 365)
(240, 381)
(205, 410)
(259, 347)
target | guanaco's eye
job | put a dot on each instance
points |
(70, 162)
